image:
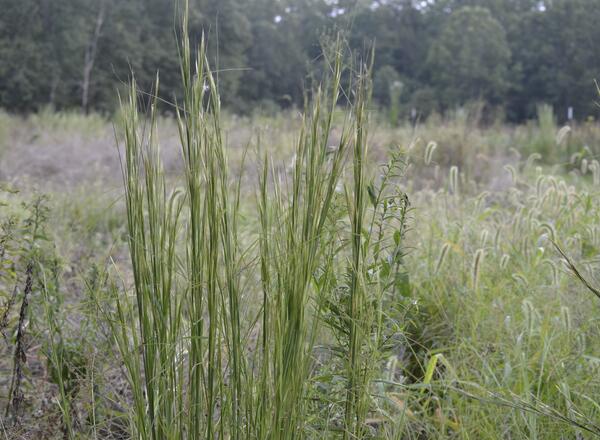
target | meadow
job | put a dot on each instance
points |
(313, 273)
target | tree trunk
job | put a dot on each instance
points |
(90, 57)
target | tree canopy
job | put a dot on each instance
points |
(510, 54)
(470, 58)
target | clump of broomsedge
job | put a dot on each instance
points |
(183, 338)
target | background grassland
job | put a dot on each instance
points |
(494, 338)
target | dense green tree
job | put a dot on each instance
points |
(398, 30)
(276, 63)
(510, 53)
(469, 60)
(138, 37)
(65, 29)
(385, 81)
(24, 64)
(227, 29)
(559, 61)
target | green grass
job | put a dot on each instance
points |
(517, 321)
(194, 375)
(470, 326)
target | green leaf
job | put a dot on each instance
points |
(372, 195)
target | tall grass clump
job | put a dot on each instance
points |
(184, 320)
(187, 381)
(543, 139)
(325, 255)
(331, 250)
(292, 244)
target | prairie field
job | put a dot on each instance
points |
(483, 330)
(299, 219)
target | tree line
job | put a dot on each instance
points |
(431, 55)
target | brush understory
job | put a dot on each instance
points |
(291, 290)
